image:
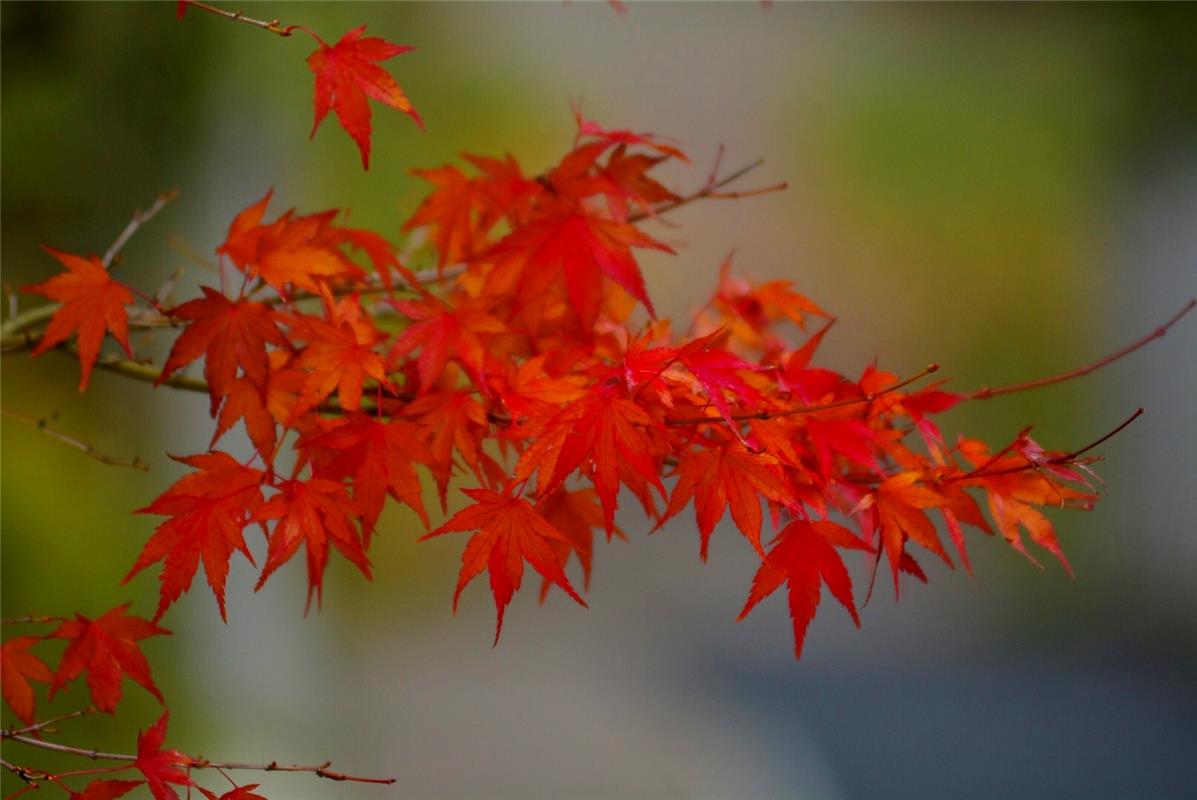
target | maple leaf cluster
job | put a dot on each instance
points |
(528, 361)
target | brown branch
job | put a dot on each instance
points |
(789, 412)
(985, 392)
(319, 770)
(272, 26)
(1063, 458)
(87, 450)
(30, 619)
(45, 724)
(710, 189)
(139, 219)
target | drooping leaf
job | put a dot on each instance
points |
(208, 512)
(509, 532)
(107, 648)
(314, 513)
(728, 475)
(229, 335)
(161, 768)
(346, 74)
(92, 304)
(804, 557)
(18, 667)
(380, 456)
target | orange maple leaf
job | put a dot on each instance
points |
(728, 475)
(161, 767)
(510, 531)
(803, 557)
(314, 513)
(346, 75)
(228, 334)
(17, 667)
(208, 512)
(107, 648)
(92, 303)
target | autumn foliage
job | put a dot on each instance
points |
(524, 369)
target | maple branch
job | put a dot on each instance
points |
(985, 392)
(319, 770)
(789, 412)
(87, 450)
(139, 218)
(272, 26)
(45, 724)
(1063, 458)
(711, 189)
(30, 776)
(30, 619)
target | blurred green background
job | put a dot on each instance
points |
(1006, 190)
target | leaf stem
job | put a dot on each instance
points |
(87, 450)
(319, 770)
(985, 392)
(272, 26)
(139, 219)
(789, 412)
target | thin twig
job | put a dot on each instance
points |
(1063, 458)
(37, 726)
(30, 776)
(273, 26)
(708, 189)
(985, 392)
(789, 412)
(319, 770)
(89, 451)
(139, 218)
(30, 619)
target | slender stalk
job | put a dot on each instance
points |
(30, 619)
(789, 412)
(37, 726)
(1063, 458)
(271, 26)
(985, 392)
(319, 770)
(87, 450)
(139, 219)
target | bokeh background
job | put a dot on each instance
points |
(1007, 190)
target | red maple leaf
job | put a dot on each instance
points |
(17, 667)
(346, 74)
(576, 515)
(728, 475)
(161, 767)
(510, 531)
(92, 303)
(107, 648)
(208, 512)
(582, 249)
(379, 456)
(314, 513)
(604, 433)
(101, 789)
(228, 334)
(441, 332)
(340, 356)
(803, 557)
(293, 251)
(899, 501)
(250, 403)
